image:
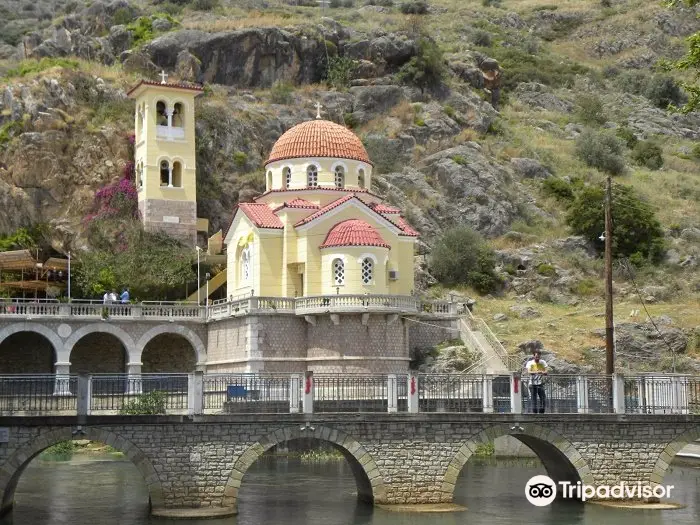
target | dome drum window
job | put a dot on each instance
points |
(339, 177)
(312, 177)
(287, 177)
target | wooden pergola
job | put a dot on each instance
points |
(44, 277)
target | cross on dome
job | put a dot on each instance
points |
(318, 109)
(163, 77)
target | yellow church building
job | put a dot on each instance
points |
(318, 229)
(319, 271)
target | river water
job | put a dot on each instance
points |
(292, 491)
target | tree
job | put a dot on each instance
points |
(461, 256)
(690, 62)
(601, 150)
(636, 231)
(426, 69)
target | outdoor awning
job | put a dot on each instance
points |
(54, 263)
(17, 260)
(31, 285)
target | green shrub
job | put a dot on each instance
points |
(350, 120)
(450, 111)
(240, 158)
(585, 287)
(696, 151)
(61, 450)
(459, 159)
(151, 403)
(281, 93)
(649, 154)
(122, 16)
(628, 136)
(560, 189)
(204, 5)
(461, 256)
(590, 110)
(481, 38)
(427, 68)
(29, 66)
(416, 7)
(340, 71)
(546, 270)
(491, 3)
(635, 226)
(485, 449)
(142, 30)
(600, 150)
(659, 89)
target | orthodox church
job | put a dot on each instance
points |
(319, 271)
(318, 229)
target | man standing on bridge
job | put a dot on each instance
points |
(537, 370)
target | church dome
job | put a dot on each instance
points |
(353, 232)
(318, 138)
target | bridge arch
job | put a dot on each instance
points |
(103, 327)
(370, 483)
(17, 462)
(197, 344)
(561, 460)
(673, 448)
(49, 334)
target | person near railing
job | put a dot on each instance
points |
(124, 297)
(537, 371)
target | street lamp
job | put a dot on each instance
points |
(69, 277)
(199, 293)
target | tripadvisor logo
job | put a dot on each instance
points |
(542, 490)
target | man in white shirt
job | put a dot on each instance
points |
(537, 370)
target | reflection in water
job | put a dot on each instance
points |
(287, 491)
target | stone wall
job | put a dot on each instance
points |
(154, 210)
(26, 353)
(425, 333)
(168, 353)
(98, 353)
(226, 345)
(397, 458)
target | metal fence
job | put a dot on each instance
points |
(37, 394)
(351, 393)
(113, 394)
(259, 393)
(149, 393)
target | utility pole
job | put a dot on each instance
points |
(609, 327)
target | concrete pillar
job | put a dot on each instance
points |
(134, 382)
(294, 393)
(195, 393)
(412, 393)
(679, 399)
(487, 397)
(84, 395)
(61, 385)
(618, 393)
(392, 393)
(516, 394)
(308, 399)
(582, 395)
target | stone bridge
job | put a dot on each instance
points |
(195, 465)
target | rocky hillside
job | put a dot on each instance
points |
(443, 152)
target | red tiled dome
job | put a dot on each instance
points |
(353, 232)
(318, 138)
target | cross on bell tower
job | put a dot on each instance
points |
(318, 109)
(163, 77)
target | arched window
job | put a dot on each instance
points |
(338, 272)
(312, 177)
(287, 177)
(361, 178)
(178, 116)
(339, 177)
(177, 175)
(367, 270)
(245, 264)
(269, 180)
(165, 173)
(161, 115)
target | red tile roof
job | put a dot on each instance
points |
(298, 203)
(405, 227)
(318, 138)
(261, 215)
(326, 209)
(353, 232)
(383, 208)
(177, 85)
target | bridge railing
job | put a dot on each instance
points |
(216, 393)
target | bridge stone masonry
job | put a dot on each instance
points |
(195, 465)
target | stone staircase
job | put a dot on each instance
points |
(476, 334)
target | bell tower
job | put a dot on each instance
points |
(164, 161)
